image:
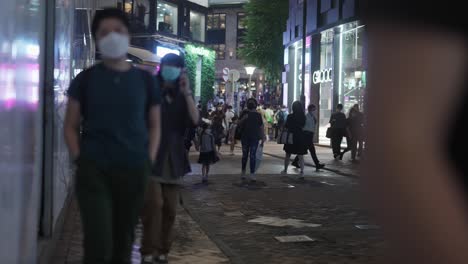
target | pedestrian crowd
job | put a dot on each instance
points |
(130, 133)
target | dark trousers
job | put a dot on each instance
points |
(352, 145)
(110, 201)
(336, 139)
(310, 139)
(249, 148)
(158, 218)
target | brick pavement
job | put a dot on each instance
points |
(213, 226)
(191, 244)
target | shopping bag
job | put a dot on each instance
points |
(258, 157)
(285, 137)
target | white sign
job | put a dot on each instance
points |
(225, 71)
(234, 75)
(322, 76)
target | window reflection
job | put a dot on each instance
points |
(166, 17)
(197, 26)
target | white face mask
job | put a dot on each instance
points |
(114, 45)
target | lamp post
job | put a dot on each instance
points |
(250, 69)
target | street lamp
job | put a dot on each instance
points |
(250, 69)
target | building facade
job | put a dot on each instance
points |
(225, 29)
(324, 57)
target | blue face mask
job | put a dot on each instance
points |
(170, 73)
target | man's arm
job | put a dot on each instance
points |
(154, 127)
(412, 183)
(72, 127)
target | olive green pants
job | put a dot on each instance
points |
(110, 201)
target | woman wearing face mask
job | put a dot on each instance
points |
(115, 104)
(179, 113)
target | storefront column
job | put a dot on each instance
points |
(315, 66)
(337, 71)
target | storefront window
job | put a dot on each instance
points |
(352, 73)
(197, 26)
(294, 72)
(326, 84)
(342, 74)
(167, 17)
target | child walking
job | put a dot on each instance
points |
(208, 153)
(232, 134)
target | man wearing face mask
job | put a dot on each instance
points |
(117, 107)
(252, 132)
(179, 113)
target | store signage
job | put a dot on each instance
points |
(322, 76)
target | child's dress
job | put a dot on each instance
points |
(207, 148)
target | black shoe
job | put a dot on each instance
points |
(319, 166)
(295, 164)
(341, 156)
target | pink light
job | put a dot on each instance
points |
(308, 41)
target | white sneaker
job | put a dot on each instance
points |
(147, 259)
(162, 259)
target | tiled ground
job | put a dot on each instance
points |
(213, 225)
(191, 244)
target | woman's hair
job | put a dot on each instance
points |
(171, 59)
(204, 126)
(252, 104)
(297, 108)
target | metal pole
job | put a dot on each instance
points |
(250, 85)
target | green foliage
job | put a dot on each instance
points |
(263, 41)
(193, 53)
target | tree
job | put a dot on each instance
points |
(263, 41)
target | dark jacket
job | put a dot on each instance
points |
(175, 120)
(295, 124)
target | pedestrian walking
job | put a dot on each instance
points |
(229, 115)
(208, 154)
(113, 156)
(295, 124)
(232, 134)
(354, 131)
(217, 126)
(179, 113)
(251, 130)
(280, 117)
(337, 130)
(309, 132)
(269, 115)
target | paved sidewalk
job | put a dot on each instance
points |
(191, 244)
(230, 222)
(344, 167)
(224, 207)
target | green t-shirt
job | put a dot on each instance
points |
(115, 107)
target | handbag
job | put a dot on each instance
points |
(285, 137)
(329, 132)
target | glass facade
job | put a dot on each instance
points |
(342, 74)
(197, 26)
(294, 73)
(167, 17)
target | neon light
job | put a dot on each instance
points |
(322, 76)
(340, 74)
(163, 51)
